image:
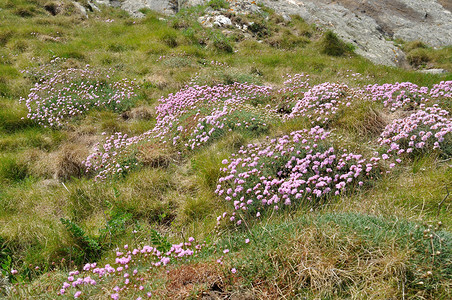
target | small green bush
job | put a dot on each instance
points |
(332, 45)
(169, 38)
(418, 57)
(88, 248)
(218, 4)
(220, 43)
(12, 170)
(259, 28)
(407, 47)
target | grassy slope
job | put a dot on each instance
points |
(179, 200)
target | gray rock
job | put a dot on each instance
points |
(80, 8)
(93, 6)
(434, 71)
(286, 18)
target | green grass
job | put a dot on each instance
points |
(316, 255)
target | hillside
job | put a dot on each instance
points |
(224, 151)
(371, 26)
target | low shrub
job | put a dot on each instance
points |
(220, 43)
(12, 170)
(418, 57)
(218, 4)
(331, 45)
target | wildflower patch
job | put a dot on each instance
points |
(300, 167)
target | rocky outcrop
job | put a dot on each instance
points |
(367, 24)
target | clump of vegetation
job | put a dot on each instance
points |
(218, 4)
(333, 46)
(418, 57)
(287, 40)
(67, 94)
(221, 43)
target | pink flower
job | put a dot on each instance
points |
(77, 294)
(233, 270)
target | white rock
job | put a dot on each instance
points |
(222, 21)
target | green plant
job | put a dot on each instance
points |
(259, 28)
(332, 45)
(114, 228)
(159, 241)
(89, 248)
(218, 4)
(12, 170)
(5, 259)
(418, 57)
(220, 43)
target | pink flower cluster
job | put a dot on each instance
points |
(295, 85)
(442, 89)
(128, 270)
(405, 95)
(189, 118)
(196, 114)
(67, 93)
(321, 102)
(114, 157)
(294, 168)
(192, 115)
(428, 128)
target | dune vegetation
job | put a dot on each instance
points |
(156, 158)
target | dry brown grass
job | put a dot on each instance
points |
(38, 163)
(158, 80)
(68, 161)
(139, 113)
(156, 155)
(323, 262)
(186, 280)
